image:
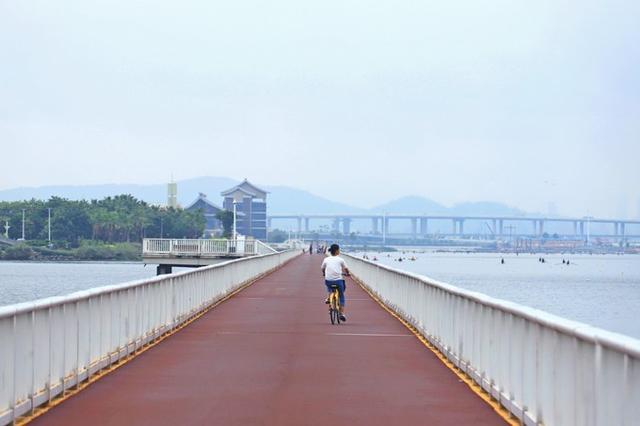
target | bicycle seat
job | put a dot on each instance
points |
(334, 286)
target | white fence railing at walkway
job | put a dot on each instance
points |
(50, 345)
(204, 247)
(544, 369)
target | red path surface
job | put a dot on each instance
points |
(269, 356)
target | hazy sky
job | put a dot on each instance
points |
(359, 101)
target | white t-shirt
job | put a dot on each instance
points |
(333, 267)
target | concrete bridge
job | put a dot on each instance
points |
(168, 252)
(494, 226)
(248, 342)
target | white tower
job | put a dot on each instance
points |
(172, 194)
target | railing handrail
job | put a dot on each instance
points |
(52, 344)
(541, 367)
(203, 247)
(266, 246)
(586, 332)
(52, 301)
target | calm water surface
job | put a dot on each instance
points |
(24, 281)
(603, 291)
(600, 290)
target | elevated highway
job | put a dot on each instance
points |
(494, 226)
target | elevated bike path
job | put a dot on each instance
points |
(269, 356)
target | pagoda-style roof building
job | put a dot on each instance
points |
(245, 189)
(250, 204)
(210, 211)
(203, 202)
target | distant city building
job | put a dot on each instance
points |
(212, 226)
(251, 209)
(172, 195)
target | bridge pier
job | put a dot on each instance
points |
(346, 225)
(575, 228)
(306, 224)
(299, 220)
(374, 226)
(458, 226)
(424, 230)
(336, 225)
(500, 227)
(581, 229)
(163, 269)
(414, 228)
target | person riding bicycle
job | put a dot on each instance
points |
(333, 269)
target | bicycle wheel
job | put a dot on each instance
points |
(332, 315)
(335, 306)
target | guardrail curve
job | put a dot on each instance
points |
(542, 368)
(50, 345)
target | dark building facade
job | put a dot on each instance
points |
(251, 209)
(213, 226)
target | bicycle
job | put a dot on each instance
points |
(334, 305)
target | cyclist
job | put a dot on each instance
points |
(333, 268)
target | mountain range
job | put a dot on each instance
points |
(281, 199)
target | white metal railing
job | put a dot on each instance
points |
(50, 345)
(204, 247)
(544, 369)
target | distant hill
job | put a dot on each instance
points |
(485, 208)
(411, 205)
(420, 205)
(286, 200)
(282, 199)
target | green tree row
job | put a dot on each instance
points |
(122, 218)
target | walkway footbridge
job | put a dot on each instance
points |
(52, 346)
(268, 355)
(542, 368)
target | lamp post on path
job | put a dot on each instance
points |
(235, 215)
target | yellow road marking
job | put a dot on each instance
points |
(477, 389)
(71, 392)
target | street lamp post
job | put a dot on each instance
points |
(588, 228)
(235, 218)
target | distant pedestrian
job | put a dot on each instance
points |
(502, 261)
(311, 249)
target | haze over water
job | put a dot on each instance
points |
(599, 290)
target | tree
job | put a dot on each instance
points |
(278, 236)
(226, 217)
